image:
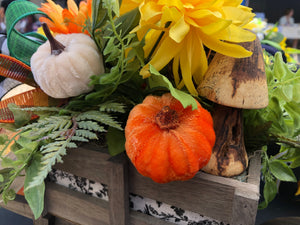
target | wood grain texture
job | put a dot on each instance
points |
(118, 190)
(137, 218)
(75, 207)
(18, 206)
(244, 211)
(212, 199)
(86, 162)
(254, 169)
(237, 82)
(220, 198)
(229, 157)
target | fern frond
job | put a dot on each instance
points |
(112, 107)
(37, 109)
(80, 139)
(52, 153)
(100, 117)
(90, 125)
(86, 134)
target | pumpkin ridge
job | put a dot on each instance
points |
(170, 153)
(183, 145)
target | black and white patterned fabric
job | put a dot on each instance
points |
(137, 203)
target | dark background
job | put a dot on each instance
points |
(274, 9)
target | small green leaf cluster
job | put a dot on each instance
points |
(278, 123)
(41, 144)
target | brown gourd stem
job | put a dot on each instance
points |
(56, 46)
(167, 118)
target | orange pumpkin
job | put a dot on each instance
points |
(167, 142)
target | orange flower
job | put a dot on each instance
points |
(64, 21)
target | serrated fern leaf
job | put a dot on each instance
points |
(52, 153)
(90, 125)
(86, 134)
(112, 107)
(100, 117)
(81, 139)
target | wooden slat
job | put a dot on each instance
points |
(244, 211)
(137, 218)
(61, 221)
(254, 169)
(41, 221)
(86, 163)
(74, 206)
(18, 206)
(118, 190)
(211, 199)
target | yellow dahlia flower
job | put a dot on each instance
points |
(184, 27)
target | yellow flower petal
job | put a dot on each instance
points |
(225, 48)
(237, 15)
(179, 30)
(215, 27)
(128, 5)
(169, 15)
(174, 3)
(161, 59)
(185, 65)
(236, 34)
(150, 10)
(175, 69)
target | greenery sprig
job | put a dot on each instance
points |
(278, 124)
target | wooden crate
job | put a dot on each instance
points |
(223, 199)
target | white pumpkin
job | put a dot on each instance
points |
(66, 72)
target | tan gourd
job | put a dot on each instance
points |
(62, 66)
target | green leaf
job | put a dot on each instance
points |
(270, 191)
(7, 162)
(295, 163)
(34, 195)
(112, 5)
(158, 80)
(1, 178)
(3, 139)
(281, 171)
(115, 141)
(21, 117)
(99, 14)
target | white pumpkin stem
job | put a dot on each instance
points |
(56, 46)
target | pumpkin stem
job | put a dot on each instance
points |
(56, 46)
(167, 118)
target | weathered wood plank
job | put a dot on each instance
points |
(61, 221)
(18, 206)
(118, 190)
(85, 163)
(137, 218)
(254, 169)
(74, 206)
(211, 199)
(244, 211)
(41, 221)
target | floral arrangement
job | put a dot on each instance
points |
(129, 73)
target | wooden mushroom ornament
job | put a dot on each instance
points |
(234, 84)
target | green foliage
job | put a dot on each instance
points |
(158, 80)
(277, 123)
(43, 143)
(115, 141)
(123, 53)
(35, 195)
